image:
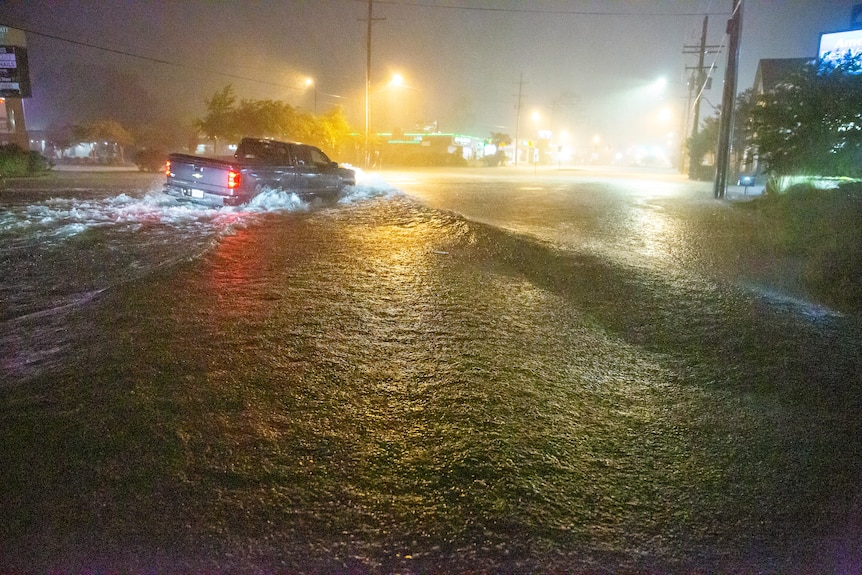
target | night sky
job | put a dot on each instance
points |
(588, 67)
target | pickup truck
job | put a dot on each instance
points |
(256, 165)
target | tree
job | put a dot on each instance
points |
(112, 134)
(166, 134)
(271, 119)
(59, 138)
(812, 124)
(220, 121)
(700, 145)
(265, 118)
(705, 142)
(333, 130)
(743, 131)
(500, 139)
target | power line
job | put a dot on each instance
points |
(149, 58)
(539, 11)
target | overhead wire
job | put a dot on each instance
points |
(574, 12)
(388, 2)
(148, 58)
(712, 66)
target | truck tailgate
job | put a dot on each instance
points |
(208, 175)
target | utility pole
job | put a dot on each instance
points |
(722, 163)
(369, 21)
(698, 83)
(518, 120)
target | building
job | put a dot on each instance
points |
(771, 72)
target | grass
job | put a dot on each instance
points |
(823, 228)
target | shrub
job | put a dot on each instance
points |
(15, 161)
(824, 228)
(149, 160)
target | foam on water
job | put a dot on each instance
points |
(146, 229)
(368, 186)
(63, 218)
(60, 253)
(801, 306)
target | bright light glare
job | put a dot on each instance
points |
(665, 115)
(397, 80)
(358, 173)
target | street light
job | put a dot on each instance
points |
(401, 105)
(659, 86)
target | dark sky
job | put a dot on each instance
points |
(587, 66)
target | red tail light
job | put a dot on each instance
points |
(168, 168)
(233, 179)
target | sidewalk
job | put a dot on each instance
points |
(742, 193)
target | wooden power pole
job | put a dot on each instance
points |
(722, 162)
(518, 118)
(698, 84)
(369, 22)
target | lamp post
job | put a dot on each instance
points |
(401, 104)
(534, 147)
(393, 118)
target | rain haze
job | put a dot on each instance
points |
(279, 358)
(603, 69)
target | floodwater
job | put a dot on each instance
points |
(440, 373)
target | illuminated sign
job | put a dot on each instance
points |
(14, 72)
(836, 45)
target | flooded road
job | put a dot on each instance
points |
(441, 373)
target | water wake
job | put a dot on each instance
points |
(58, 254)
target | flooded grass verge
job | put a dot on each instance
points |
(821, 231)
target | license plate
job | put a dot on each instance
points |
(197, 193)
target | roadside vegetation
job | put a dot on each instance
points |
(147, 143)
(15, 161)
(822, 230)
(803, 141)
(227, 120)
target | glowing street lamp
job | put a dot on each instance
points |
(659, 86)
(665, 115)
(401, 103)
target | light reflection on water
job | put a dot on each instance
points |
(459, 400)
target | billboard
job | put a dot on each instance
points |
(835, 45)
(14, 72)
